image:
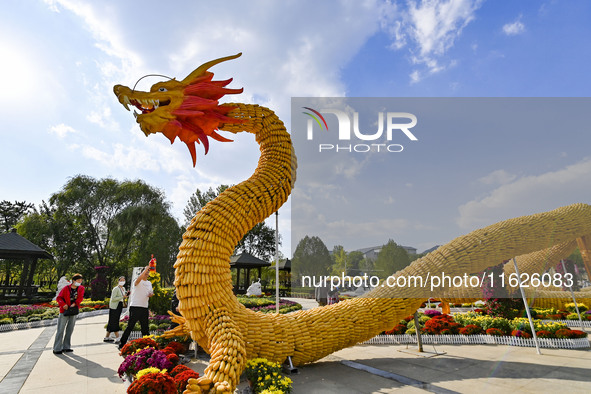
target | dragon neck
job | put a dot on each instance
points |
(216, 229)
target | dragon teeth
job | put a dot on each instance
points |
(126, 102)
(135, 114)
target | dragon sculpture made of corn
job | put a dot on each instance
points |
(229, 332)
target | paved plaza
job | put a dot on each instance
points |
(28, 365)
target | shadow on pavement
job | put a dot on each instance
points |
(89, 368)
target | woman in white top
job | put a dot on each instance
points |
(118, 294)
(138, 306)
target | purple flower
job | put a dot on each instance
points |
(147, 357)
(431, 312)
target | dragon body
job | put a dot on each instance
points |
(232, 334)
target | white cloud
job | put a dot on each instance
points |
(498, 177)
(415, 76)
(61, 130)
(123, 157)
(430, 26)
(515, 28)
(528, 195)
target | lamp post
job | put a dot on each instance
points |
(277, 261)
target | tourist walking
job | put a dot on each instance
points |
(118, 295)
(69, 300)
(138, 305)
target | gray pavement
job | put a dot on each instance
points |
(28, 365)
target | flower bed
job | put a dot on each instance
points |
(267, 304)
(473, 323)
(36, 321)
(157, 323)
(556, 343)
(265, 376)
(153, 366)
(45, 311)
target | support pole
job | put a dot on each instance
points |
(418, 332)
(572, 293)
(531, 322)
(276, 261)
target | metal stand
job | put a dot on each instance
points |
(418, 332)
(531, 322)
(572, 293)
(419, 351)
(288, 367)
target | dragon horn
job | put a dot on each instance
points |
(199, 71)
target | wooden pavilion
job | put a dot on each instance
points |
(15, 247)
(245, 262)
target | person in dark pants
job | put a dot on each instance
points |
(138, 305)
(69, 300)
(118, 295)
(174, 308)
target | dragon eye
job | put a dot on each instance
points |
(162, 89)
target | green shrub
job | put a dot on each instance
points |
(22, 319)
(160, 301)
(153, 327)
(423, 319)
(571, 308)
(164, 326)
(6, 320)
(572, 316)
(34, 318)
(87, 309)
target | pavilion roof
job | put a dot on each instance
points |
(17, 247)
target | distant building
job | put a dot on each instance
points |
(372, 252)
(431, 249)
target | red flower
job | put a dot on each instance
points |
(141, 343)
(520, 333)
(173, 358)
(399, 329)
(176, 347)
(544, 334)
(178, 369)
(182, 379)
(160, 383)
(495, 332)
(470, 329)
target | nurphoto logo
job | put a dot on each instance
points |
(393, 123)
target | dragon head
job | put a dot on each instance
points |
(188, 109)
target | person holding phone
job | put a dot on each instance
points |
(138, 305)
(118, 295)
(69, 300)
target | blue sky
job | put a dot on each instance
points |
(61, 59)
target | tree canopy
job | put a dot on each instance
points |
(105, 222)
(311, 258)
(11, 213)
(392, 258)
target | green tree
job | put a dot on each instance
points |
(11, 213)
(200, 199)
(59, 235)
(392, 258)
(346, 262)
(354, 260)
(339, 260)
(311, 258)
(105, 222)
(258, 241)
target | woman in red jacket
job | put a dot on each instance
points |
(69, 300)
